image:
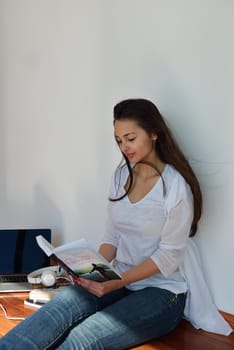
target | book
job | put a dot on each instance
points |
(32, 303)
(79, 259)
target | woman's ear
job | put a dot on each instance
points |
(154, 137)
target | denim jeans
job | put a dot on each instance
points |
(77, 320)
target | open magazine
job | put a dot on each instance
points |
(79, 259)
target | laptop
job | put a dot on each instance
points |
(20, 255)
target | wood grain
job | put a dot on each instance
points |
(185, 337)
(14, 305)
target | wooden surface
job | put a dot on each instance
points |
(185, 337)
(14, 305)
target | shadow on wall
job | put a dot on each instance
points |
(3, 198)
(47, 213)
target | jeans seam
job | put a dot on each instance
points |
(181, 307)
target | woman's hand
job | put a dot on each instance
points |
(99, 288)
(144, 270)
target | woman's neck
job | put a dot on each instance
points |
(147, 169)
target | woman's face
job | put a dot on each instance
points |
(134, 141)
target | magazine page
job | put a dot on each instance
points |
(86, 262)
(81, 259)
(45, 245)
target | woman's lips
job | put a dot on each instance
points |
(130, 155)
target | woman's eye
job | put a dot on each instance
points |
(130, 140)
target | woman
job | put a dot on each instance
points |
(155, 205)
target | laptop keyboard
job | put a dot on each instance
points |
(13, 278)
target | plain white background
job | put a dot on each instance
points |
(65, 63)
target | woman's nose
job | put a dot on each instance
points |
(124, 147)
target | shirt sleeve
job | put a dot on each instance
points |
(179, 211)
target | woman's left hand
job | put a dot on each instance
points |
(99, 288)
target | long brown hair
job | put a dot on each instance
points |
(148, 117)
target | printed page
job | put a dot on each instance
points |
(80, 258)
(45, 245)
(86, 262)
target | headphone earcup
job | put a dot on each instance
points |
(48, 278)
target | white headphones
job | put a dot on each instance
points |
(46, 276)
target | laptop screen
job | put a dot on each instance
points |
(19, 251)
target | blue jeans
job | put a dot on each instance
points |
(77, 320)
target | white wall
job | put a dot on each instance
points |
(65, 63)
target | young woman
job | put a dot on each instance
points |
(155, 205)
